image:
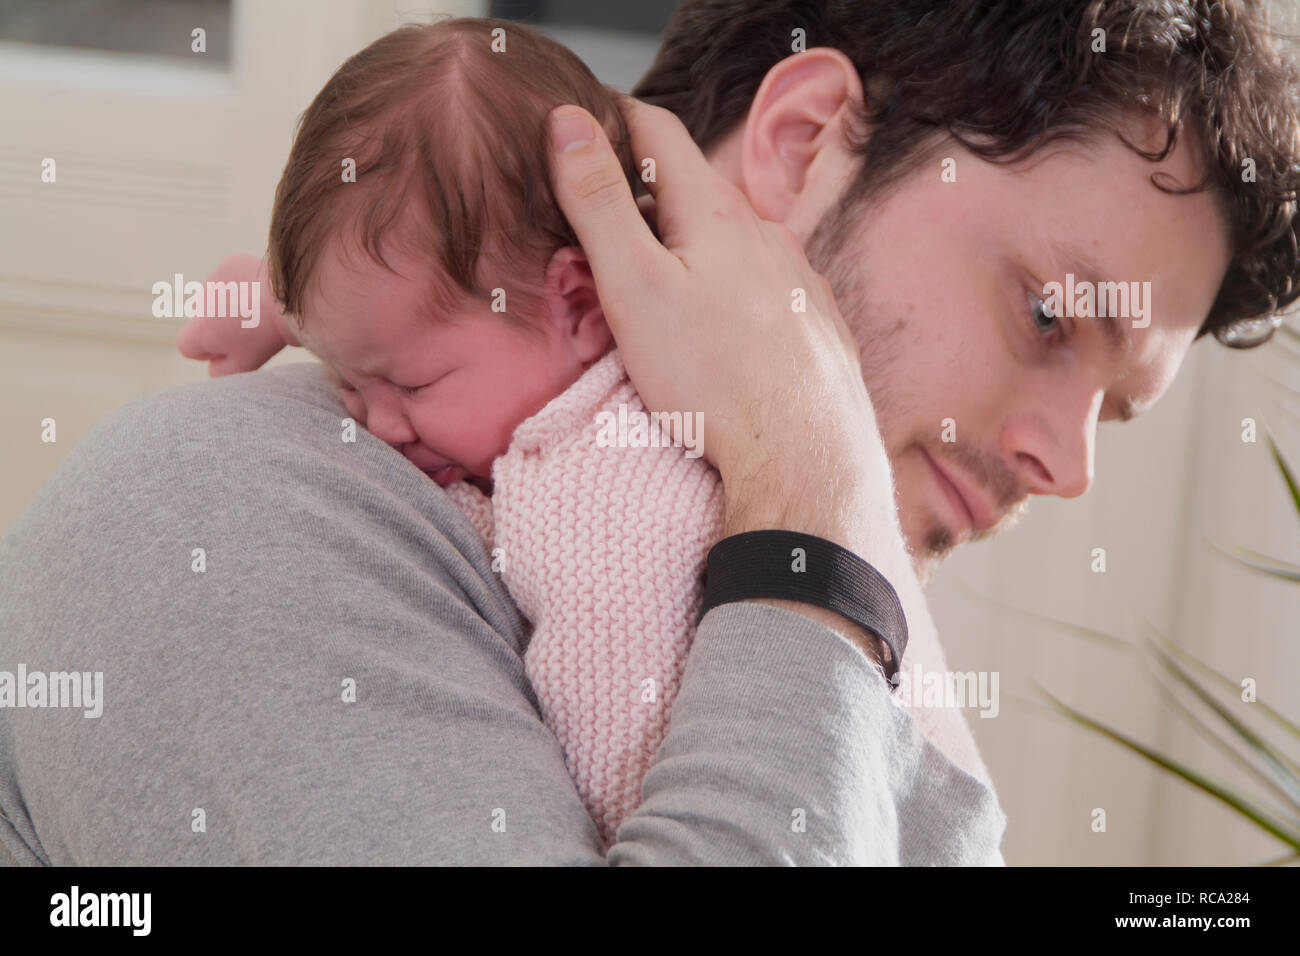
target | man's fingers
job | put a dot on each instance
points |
(684, 185)
(594, 194)
(647, 206)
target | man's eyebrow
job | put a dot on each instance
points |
(1085, 269)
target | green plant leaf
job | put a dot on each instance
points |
(1250, 751)
(1265, 559)
(1229, 747)
(1213, 736)
(1282, 570)
(1284, 782)
(1287, 474)
(1277, 763)
(1116, 643)
(1087, 633)
(1242, 803)
(1282, 860)
(1229, 684)
(1281, 573)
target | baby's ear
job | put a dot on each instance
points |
(573, 306)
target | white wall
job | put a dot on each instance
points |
(1165, 483)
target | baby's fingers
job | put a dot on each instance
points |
(191, 342)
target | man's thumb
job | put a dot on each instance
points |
(571, 128)
(592, 190)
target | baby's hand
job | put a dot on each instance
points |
(222, 341)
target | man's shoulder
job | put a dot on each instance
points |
(259, 461)
(283, 614)
(274, 424)
(291, 393)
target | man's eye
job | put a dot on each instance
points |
(1045, 321)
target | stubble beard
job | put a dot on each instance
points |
(880, 339)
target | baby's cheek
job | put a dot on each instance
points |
(484, 441)
(484, 445)
(355, 406)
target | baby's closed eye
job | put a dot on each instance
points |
(412, 390)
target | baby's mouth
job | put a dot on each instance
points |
(446, 475)
(433, 465)
(442, 472)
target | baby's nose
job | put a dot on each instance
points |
(389, 425)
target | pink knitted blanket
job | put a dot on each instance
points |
(603, 549)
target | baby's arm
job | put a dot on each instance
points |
(223, 341)
(230, 348)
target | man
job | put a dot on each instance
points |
(377, 712)
(940, 261)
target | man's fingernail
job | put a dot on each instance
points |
(570, 131)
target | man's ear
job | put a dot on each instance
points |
(574, 308)
(794, 133)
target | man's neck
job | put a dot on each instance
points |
(724, 157)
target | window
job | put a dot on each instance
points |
(617, 40)
(162, 28)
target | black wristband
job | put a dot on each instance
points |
(765, 564)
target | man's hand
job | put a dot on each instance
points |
(726, 317)
(222, 341)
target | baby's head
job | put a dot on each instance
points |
(417, 246)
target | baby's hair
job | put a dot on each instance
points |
(446, 124)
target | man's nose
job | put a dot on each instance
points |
(1053, 446)
(385, 417)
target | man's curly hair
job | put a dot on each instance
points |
(1005, 77)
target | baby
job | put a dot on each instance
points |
(416, 248)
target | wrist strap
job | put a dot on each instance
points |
(803, 567)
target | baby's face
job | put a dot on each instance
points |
(446, 391)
